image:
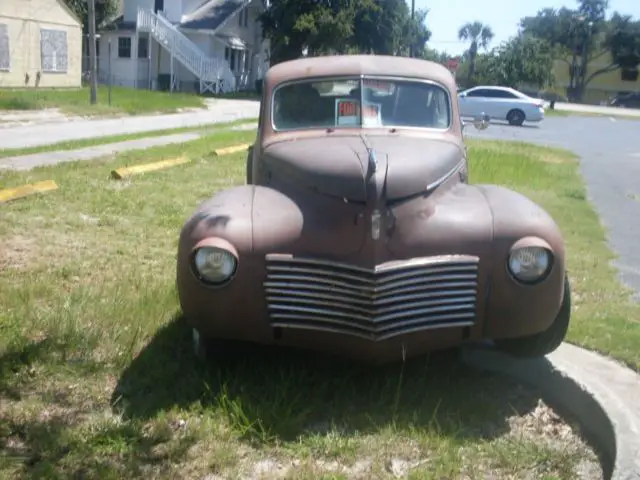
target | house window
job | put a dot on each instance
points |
(626, 75)
(53, 51)
(5, 54)
(158, 6)
(124, 47)
(143, 47)
(243, 17)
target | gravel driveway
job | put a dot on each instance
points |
(610, 163)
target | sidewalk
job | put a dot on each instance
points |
(27, 162)
(46, 134)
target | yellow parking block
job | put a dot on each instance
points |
(232, 149)
(124, 172)
(24, 190)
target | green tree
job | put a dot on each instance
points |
(342, 26)
(315, 26)
(416, 34)
(484, 73)
(435, 55)
(623, 43)
(523, 59)
(379, 27)
(479, 36)
(105, 10)
(582, 35)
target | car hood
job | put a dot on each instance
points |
(340, 165)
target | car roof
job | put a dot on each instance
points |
(496, 87)
(355, 65)
(493, 87)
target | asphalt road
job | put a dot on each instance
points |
(610, 163)
(40, 134)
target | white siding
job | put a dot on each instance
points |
(203, 42)
(173, 10)
(123, 71)
(248, 33)
(188, 6)
(131, 8)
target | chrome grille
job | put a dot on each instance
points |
(395, 298)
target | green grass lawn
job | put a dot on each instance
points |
(98, 380)
(76, 101)
(604, 318)
(567, 113)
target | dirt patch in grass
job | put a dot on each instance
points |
(17, 252)
(98, 380)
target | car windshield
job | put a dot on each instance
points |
(336, 103)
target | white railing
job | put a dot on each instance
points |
(205, 68)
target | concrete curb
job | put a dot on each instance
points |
(602, 395)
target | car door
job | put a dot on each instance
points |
(490, 103)
(471, 102)
(500, 103)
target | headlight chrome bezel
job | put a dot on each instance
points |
(538, 246)
(214, 245)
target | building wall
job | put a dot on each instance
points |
(248, 33)
(22, 21)
(251, 35)
(603, 86)
(125, 72)
(131, 8)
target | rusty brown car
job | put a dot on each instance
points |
(358, 233)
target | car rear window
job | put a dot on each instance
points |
(337, 103)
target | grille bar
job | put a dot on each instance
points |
(393, 299)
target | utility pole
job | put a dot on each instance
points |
(413, 16)
(93, 67)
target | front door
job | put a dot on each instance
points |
(158, 6)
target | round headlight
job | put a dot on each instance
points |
(530, 264)
(214, 265)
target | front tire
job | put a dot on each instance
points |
(545, 342)
(516, 117)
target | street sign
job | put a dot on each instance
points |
(452, 64)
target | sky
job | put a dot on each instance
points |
(446, 16)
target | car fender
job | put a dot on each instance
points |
(250, 217)
(515, 309)
(253, 219)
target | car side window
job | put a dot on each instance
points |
(482, 92)
(504, 94)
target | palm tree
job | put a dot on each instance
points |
(480, 36)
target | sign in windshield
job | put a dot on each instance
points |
(368, 102)
(348, 113)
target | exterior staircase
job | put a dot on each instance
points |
(214, 74)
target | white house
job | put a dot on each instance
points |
(185, 45)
